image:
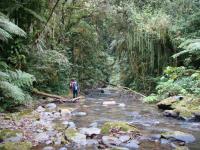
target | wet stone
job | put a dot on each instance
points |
(110, 140)
(90, 131)
(132, 144)
(180, 136)
(106, 103)
(41, 137)
(48, 148)
(51, 106)
(40, 109)
(124, 138)
(170, 113)
(92, 142)
(79, 114)
(93, 125)
(164, 141)
(72, 125)
(63, 148)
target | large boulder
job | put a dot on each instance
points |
(123, 126)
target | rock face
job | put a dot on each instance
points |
(123, 126)
(180, 136)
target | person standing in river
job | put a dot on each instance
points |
(74, 86)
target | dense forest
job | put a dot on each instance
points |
(148, 46)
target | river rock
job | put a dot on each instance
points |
(48, 148)
(166, 104)
(63, 148)
(124, 138)
(51, 106)
(40, 109)
(123, 126)
(121, 105)
(170, 113)
(74, 136)
(16, 146)
(93, 125)
(90, 131)
(42, 137)
(79, 114)
(180, 136)
(72, 125)
(17, 138)
(164, 141)
(132, 145)
(10, 135)
(65, 111)
(106, 103)
(91, 142)
(110, 141)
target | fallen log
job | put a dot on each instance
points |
(56, 97)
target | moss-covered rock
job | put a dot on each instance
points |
(178, 135)
(74, 136)
(118, 125)
(16, 146)
(166, 104)
(7, 133)
(187, 108)
(70, 133)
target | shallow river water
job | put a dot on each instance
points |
(146, 117)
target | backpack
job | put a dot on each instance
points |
(75, 86)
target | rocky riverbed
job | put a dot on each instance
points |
(103, 120)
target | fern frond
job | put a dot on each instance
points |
(12, 91)
(4, 36)
(4, 76)
(10, 27)
(21, 79)
(37, 16)
(191, 46)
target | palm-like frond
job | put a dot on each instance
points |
(191, 46)
(7, 28)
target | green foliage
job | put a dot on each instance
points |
(7, 28)
(178, 81)
(13, 87)
(153, 98)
